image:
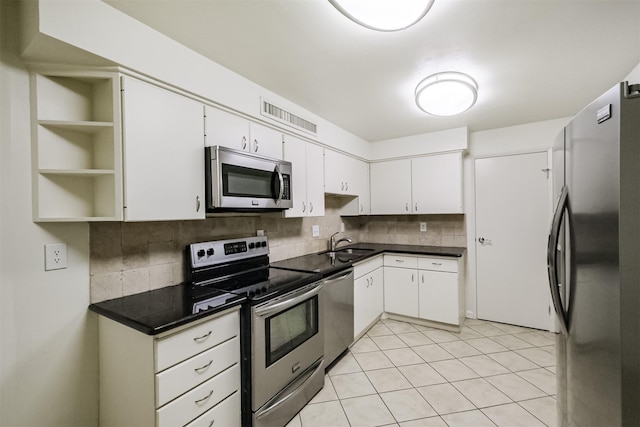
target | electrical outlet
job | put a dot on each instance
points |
(342, 227)
(55, 256)
(315, 231)
(423, 227)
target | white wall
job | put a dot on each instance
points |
(447, 140)
(634, 76)
(90, 25)
(49, 360)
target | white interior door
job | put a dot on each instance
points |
(512, 224)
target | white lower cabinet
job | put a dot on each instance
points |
(368, 294)
(427, 288)
(187, 377)
(401, 285)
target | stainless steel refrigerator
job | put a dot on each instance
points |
(594, 262)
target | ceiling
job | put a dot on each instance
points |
(533, 59)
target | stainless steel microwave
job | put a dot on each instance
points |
(241, 181)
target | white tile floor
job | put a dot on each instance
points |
(400, 374)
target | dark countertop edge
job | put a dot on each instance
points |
(147, 330)
(380, 248)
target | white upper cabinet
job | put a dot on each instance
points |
(422, 185)
(348, 176)
(265, 141)
(391, 187)
(228, 130)
(76, 146)
(437, 184)
(308, 177)
(163, 153)
(339, 173)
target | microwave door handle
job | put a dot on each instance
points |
(281, 181)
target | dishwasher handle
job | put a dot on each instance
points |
(338, 277)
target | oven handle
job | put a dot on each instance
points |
(298, 384)
(290, 301)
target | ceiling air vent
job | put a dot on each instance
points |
(283, 116)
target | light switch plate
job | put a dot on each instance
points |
(55, 256)
(315, 231)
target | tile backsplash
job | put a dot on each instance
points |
(128, 258)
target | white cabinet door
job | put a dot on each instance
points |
(368, 300)
(437, 184)
(315, 180)
(265, 141)
(339, 173)
(361, 181)
(163, 141)
(391, 187)
(308, 178)
(226, 129)
(438, 295)
(401, 291)
(295, 151)
(334, 172)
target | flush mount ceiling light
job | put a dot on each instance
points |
(384, 15)
(446, 94)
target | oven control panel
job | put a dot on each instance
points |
(205, 254)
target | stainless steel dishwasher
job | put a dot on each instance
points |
(338, 314)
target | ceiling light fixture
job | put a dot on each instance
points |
(384, 15)
(446, 94)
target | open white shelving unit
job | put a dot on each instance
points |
(76, 146)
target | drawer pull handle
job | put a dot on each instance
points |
(212, 423)
(399, 260)
(198, 370)
(202, 338)
(199, 401)
(437, 263)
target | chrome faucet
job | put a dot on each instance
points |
(334, 243)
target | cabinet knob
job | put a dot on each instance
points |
(255, 145)
(304, 207)
(244, 142)
(342, 186)
(197, 203)
(310, 207)
(406, 207)
(346, 186)
(416, 207)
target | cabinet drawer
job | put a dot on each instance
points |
(184, 376)
(183, 345)
(367, 266)
(226, 413)
(199, 400)
(438, 264)
(400, 261)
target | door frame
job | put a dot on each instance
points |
(471, 267)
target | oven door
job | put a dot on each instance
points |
(287, 340)
(238, 180)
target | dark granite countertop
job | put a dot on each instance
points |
(324, 264)
(160, 310)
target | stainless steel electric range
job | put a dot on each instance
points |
(281, 324)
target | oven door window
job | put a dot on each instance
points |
(287, 330)
(239, 181)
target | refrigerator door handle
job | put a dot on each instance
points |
(552, 257)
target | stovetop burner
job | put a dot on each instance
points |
(240, 267)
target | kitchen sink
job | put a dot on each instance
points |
(351, 252)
